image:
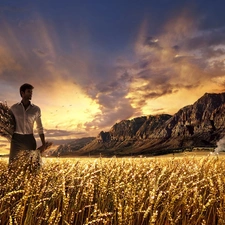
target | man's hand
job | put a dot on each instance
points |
(42, 148)
(45, 146)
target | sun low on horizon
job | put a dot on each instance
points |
(69, 108)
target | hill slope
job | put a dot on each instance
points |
(199, 125)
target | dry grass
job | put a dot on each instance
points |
(160, 191)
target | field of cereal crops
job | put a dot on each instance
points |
(131, 191)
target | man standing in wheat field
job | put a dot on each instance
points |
(25, 114)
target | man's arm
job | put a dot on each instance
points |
(41, 132)
(43, 147)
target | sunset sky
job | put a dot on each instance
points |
(95, 62)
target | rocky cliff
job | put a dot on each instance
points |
(199, 125)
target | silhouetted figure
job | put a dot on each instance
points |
(25, 114)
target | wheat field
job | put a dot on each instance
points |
(128, 191)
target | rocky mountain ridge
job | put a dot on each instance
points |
(199, 125)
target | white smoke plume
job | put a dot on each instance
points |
(220, 145)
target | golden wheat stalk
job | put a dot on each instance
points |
(6, 121)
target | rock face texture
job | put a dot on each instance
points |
(71, 147)
(199, 125)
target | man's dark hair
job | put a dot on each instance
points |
(24, 87)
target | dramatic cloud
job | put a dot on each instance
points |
(91, 69)
(181, 58)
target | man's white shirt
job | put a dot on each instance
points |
(25, 118)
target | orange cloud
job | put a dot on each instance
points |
(83, 93)
(168, 75)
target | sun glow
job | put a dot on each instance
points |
(68, 108)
